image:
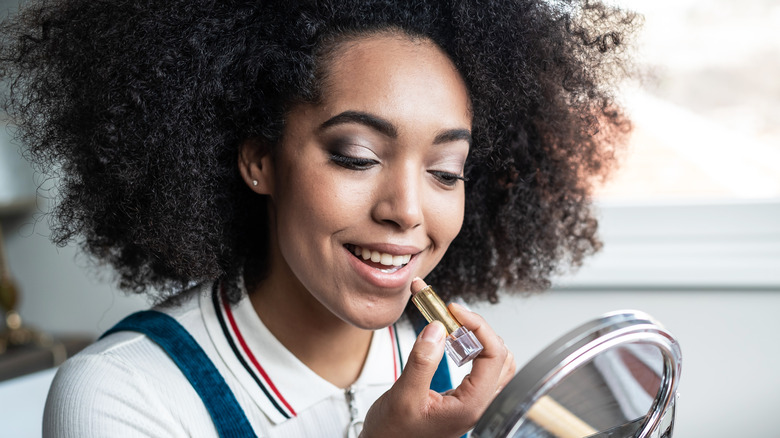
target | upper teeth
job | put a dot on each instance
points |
(381, 257)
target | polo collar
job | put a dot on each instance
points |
(278, 382)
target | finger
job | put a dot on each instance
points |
(507, 371)
(509, 368)
(428, 349)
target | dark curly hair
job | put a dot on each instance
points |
(141, 106)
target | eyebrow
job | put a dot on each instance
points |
(370, 120)
(388, 129)
(451, 135)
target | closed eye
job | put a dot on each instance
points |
(353, 163)
(447, 178)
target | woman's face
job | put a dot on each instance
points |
(366, 187)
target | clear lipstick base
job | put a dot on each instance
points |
(462, 346)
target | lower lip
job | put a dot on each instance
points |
(387, 280)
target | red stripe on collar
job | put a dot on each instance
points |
(245, 349)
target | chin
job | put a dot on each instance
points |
(371, 319)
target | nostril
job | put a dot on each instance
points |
(404, 225)
(399, 206)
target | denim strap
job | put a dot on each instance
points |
(227, 415)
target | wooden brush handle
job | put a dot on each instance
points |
(559, 421)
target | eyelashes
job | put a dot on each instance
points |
(447, 178)
(353, 163)
(360, 164)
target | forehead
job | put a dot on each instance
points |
(393, 73)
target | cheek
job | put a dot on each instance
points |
(446, 217)
(316, 204)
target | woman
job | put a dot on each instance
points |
(278, 174)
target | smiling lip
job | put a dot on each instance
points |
(385, 266)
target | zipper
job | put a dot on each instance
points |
(355, 424)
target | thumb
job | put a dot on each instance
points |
(423, 360)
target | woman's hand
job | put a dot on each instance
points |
(410, 409)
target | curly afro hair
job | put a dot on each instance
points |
(141, 106)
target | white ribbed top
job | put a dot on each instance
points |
(125, 385)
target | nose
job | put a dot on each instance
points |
(399, 200)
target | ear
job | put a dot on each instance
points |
(256, 166)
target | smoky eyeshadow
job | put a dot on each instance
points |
(348, 145)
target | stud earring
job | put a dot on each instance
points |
(254, 182)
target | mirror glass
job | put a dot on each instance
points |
(613, 377)
(615, 389)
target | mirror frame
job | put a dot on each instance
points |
(560, 359)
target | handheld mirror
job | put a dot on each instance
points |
(613, 377)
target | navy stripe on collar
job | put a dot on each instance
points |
(215, 297)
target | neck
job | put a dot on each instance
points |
(330, 347)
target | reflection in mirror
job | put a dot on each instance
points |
(614, 377)
(614, 390)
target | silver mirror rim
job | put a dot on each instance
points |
(572, 350)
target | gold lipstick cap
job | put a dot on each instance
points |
(433, 309)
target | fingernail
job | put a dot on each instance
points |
(417, 285)
(458, 301)
(460, 307)
(433, 332)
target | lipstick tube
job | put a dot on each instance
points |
(461, 344)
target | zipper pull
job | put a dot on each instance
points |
(355, 425)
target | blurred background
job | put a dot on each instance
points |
(690, 222)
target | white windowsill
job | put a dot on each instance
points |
(705, 246)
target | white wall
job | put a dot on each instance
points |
(61, 290)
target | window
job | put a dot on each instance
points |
(696, 201)
(707, 117)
